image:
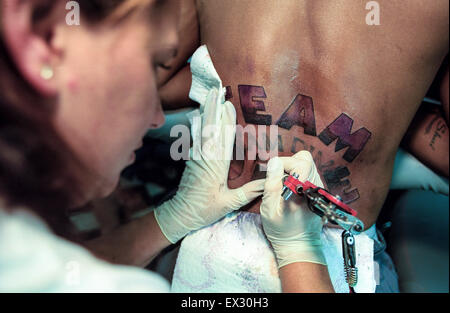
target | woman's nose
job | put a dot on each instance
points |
(158, 119)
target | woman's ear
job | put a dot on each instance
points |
(28, 27)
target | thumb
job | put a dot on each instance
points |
(246, 194)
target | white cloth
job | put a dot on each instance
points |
(204, 77)
(32, 259)
(233, 255)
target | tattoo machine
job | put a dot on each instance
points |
(331, 209)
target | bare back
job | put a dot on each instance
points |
(334, 85)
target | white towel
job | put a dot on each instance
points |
(204, 77)
(233, 255)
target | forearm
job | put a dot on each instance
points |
(445, 95)
(305, 277)
(175, 93)
(428, 139)
(175, 82)
(135, 243)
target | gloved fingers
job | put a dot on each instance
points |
(272, 188)
(301, 163)
(274, 175)
(314, 176)
(247, 193)
(228, 131)
(274, 182)
(303, 155)
(254, 189)
(229, 122)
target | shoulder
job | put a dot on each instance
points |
(32, 259)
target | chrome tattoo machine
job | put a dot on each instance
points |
(331, 209)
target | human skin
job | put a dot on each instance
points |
(348, 80)
(105, 89)
(104, 81)
(293, 277)
(428, 137)
(445, 94)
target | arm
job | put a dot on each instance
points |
(428, 138)
(445, 94)
(305, 277)
(174, 83)
(175, 93)
(293, 230)
(201, 199)
(135, 243)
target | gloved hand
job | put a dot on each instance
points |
(203, 196)
(293, 230)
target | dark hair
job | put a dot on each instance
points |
(37, 168)
(99, 9)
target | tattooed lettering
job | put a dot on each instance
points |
(229, 93)
(280, 144)
(333, 178)
(340, 129)
(336, 185)
(294, 148)
(267, 147)
(250, 106)
(428, 129)
(300, 112)
(441, 129)
(249, 150)
(319, 162)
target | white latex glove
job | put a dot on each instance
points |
(203, 196)
(293, 230)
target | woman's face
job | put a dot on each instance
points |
(106, 82)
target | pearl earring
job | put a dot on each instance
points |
(47, 72)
